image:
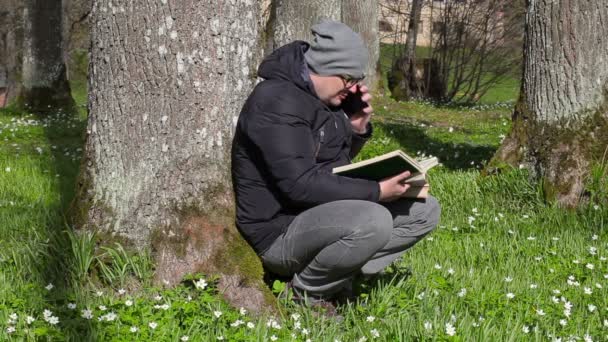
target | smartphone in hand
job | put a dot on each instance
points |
(353, 103)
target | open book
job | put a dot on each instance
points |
(391, 164)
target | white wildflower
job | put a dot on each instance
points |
(450, 330)
(540, 312)
(87, 314)
(587, 290)
(152, 325)
(49, 287)
(273, 338)
(10, 330)
(508, 279)
(128, 302)
(71, 306)
(563, 322)
(242, 311)
(591, 307)
(250, 325)
(428, 325)
(122, 291)
(53, 320)
(133, 329)
(184, 338)
(29, 320)
(437, 266)
(533, 286)
(370, 318)
(462, 292)
(510, 295)
(375, 333)
(201, 284)
(217, 314)
(525, 329)
(236, 323)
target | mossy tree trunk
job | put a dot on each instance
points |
(292, 20)
(43, 79)
(11, 49)
(560, 124)
(167, 81)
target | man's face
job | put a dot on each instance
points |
(332, 90)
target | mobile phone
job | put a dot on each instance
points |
(353, 103)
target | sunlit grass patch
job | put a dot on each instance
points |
(502, 266)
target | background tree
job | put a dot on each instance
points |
(43, 77)
(362, 17)
(11, 49)
(561, 119)
(292, 20)
(167, 81)
(402, 77)
(474, 46)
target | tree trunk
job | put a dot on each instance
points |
(362, 17)
(44, 80)
(293, 19)
(11, 49)
(560, 123)
(77, 36)
(167, 81)
(402, 80)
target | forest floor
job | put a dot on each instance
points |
(502, 266)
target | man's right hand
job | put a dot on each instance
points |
(393, 188)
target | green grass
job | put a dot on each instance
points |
(496, 237)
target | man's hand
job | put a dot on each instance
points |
(357, 107)
(393, 188)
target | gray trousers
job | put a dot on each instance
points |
(325, 246)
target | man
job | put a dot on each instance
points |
(304, 222)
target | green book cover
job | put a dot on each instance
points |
(386, 165)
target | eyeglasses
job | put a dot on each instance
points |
(349, 81)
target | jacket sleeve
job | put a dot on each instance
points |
(286, 146)
(358, 140)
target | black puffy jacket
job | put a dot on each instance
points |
(285, 146)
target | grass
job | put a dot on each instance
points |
(491, 271)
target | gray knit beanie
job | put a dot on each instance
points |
(336, 50)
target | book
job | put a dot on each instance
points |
(391, 164)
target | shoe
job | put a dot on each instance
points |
(319, 305)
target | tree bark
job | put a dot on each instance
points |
(11, 49)
(362, 17)
(77, 35)
(403, 82)
(167, 81)
(44, 79)
(560, 123)
(293, 19)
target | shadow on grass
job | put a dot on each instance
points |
(454, 156)
(64, 131)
